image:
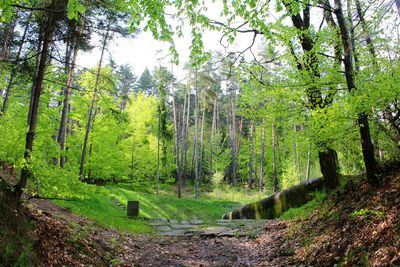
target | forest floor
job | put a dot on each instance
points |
(355, 226)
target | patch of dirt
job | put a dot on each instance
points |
(358, 227)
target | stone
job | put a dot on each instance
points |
(164, 228)
(196, 222)
(214, 230)
(174, 233)
(133, 208)
(181, 226)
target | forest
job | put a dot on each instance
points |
(314, 92)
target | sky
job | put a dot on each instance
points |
(143, 51)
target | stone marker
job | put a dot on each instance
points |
(133, 208)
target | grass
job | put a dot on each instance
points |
(101, 207)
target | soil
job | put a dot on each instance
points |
(357, 226)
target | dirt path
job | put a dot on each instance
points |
(267, 248)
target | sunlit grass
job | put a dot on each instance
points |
(101, 207)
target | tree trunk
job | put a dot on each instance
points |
(92, 107)
(233, 142)
(211, 140)
(274, 166)
(196, 136)
(132, 157)
(30, 135)
(14, 69)
(67, 95)
(201, 145)
(186, 134)
(366, 142)
(9, 35)
(251, 157)
(308, 169)
(158, 149)
(314, 94)
(262, 157)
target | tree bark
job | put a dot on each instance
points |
(314, 95)
(211, 140)
(196, 136)
(30, 135)
(14, 69)
(201, 145)
(233, 142)
(274, 166)
(365, 135)
(251, 157)
(158, 149)
(262, 157)
(61, 138)
(92, 107)
(308, 169)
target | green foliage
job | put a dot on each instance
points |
(366, 213)
(75, 8)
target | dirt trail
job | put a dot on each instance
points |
(268, 249)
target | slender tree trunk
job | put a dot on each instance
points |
(62, 132)
(233, 142)
(14, 69)
(196, 137)
(211, 140)
(366, 142)
(201, 146)
(274, 166)
(30, 135)
(92, 107)
(251, 157)
(9, 35)
(186, 134)
(37, 63)
(262, 157)
(238, 141)
(308, 170)
(132, 158)
(158, 149)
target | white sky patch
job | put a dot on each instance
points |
(143, 51)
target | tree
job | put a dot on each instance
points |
(51, 20)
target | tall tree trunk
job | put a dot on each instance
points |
(62, 132)
(201, 145)
(233, 142)
(365, 135)
(274, 166)
(132, 158)
(251, 157)
(158, 149)
(186, 134)
(14, 69)
(238, 141)
(9, 35)
(262, 157)
(92, 107)
(37, 63)
(30, 135)
(308, 169)
(211, 140)
(196, 137)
